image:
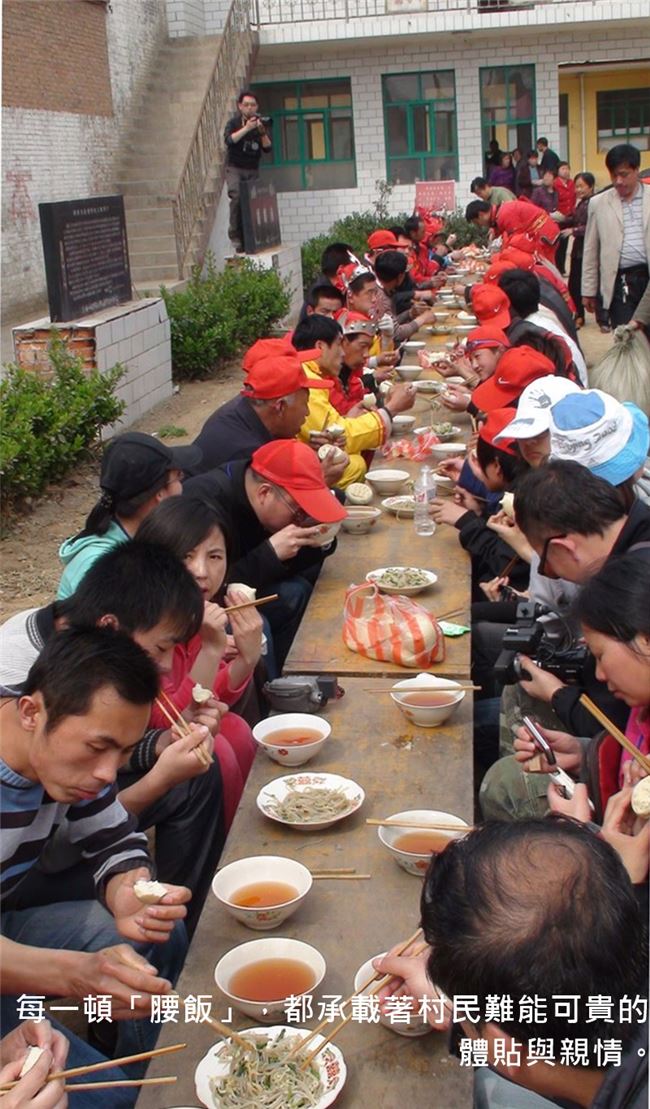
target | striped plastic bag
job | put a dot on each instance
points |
(391, 628)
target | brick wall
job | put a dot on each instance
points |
(58, 155)
(312, 212)
(186, 17)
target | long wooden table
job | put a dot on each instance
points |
(399, 767)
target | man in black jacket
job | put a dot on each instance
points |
(280, 510)
(246, 139)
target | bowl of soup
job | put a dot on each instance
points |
(263, 890)
(409, 372)
(292, 738)
(259, 977)
(403, 424)
(423, 703)
(360, 518)
(412, 848)
(387, 482)
(411, 1024)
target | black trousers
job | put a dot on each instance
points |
(629, 287)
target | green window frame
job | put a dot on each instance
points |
(312, 133)
(623, 115)
(420, 129)
(511, 118)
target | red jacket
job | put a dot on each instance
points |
(566, 196)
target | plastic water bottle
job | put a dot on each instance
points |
(423, 493)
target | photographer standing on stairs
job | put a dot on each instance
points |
(246, 138)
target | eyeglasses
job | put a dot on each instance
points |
(544, 555)
(298, 517)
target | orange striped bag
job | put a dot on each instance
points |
(391, 628)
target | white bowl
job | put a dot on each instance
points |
(387, 482)
(447, 450)
(273, 947)
(442, 315)
(400, 506)
(291, 755)
(403, 424)
(330, 1062)
(327, 534)
(415, 1026)
(410, 862)
(456, 379)
(360, 519)
(414, 344)
(409, 373)
(463, 328)
(278, 789)
(427, 716)
(261, 868)
(443, 438)
(375, 576)
(428, 386)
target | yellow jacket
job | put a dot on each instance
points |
(362, 433)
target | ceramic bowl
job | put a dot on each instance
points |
(410, 862)
(387, 482)
(256, 951)
(277, 790)
(296, 755)
(400, 506)
(328, 534)
(427, 716)
(447, 450)
(261, 868)
(403, 424)
(375, 576)
(360, 519)
(414, 1026)
(414, 344)
(409, 373)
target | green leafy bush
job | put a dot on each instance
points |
(49, 423)
(218, 314)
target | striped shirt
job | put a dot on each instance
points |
(34, 827)
(633, 251)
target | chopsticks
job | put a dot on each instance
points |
(178, 721)
(509, 567)
(421, 688)
(338, 876)
(252, 604)
(616, 733)
(106, 1064)
(422, 827)
(122, 1084)
(380, 979)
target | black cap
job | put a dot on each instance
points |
(134, 462)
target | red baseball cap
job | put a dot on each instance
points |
(491, 305)
(382, 240)
(486, 336)
(497, 419)
(515, 370)
(274, 369)
(295, 468)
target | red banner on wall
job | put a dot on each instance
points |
(435, 195)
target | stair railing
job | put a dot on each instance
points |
(206, 155)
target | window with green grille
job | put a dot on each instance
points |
(312, 132)
(508, 106)
(420, 126)
(623, 116)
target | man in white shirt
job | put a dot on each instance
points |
(617, 239)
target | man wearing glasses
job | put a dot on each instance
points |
(282, 513)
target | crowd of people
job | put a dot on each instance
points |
(548, 894)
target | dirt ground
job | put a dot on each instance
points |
(29, 567)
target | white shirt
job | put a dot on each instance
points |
(548, 321)
(633, 251)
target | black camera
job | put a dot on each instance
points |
(528, 637)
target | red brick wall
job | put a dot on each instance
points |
(55, 56)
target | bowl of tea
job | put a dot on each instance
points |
(423, 703)
(292, 738)
(263, 890)
(397, 1018)
(412, 847)
(259, 977)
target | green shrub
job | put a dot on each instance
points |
(49, 423)
(218, 314)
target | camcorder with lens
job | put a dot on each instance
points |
(528, 637)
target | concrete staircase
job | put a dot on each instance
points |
(155, 150)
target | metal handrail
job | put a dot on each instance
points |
(205, 161)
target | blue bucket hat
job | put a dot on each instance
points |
(593, 428)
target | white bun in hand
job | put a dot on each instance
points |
(334, 453)
(31, 1059)
(149, 893)
(200, 695)
(508, 504)
(248, 591)
(641, 798)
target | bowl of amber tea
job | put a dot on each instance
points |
(424, 703)
(263, 890)
(292, 738)
(412, 847)
(259, 977)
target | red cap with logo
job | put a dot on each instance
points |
(274, 369)
(491, 305)
(497, 419)
(515, 370)
(487, 336)
(295, 468)
(382, 240)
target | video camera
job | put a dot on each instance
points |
(528, 637)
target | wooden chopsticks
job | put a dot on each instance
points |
(121, 1084)
(175, 719)
(106, 1064)
(509, 567)
(404, 690)
(615, 732)
(252, 604)
(434, 827)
